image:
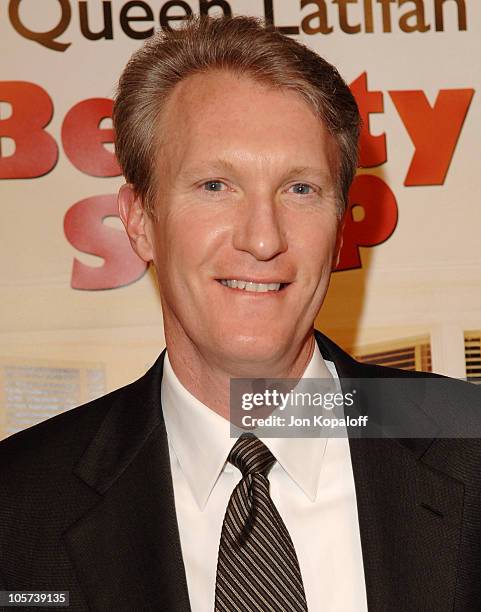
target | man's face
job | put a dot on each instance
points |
(246, 193)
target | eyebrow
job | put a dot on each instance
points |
(324, 174)
(223, 164)
(216, 164)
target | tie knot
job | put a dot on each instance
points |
(251, 455)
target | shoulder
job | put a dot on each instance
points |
(425, 385)
(53, 444)
(422, 402)
(67, 434)
(51, 448)
(425, 405)
(416, 385)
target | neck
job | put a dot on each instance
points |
(208, 378)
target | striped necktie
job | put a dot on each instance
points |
(257, 566)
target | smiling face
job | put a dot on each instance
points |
(246, 193)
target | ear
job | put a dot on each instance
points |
(339, 242)
(135, 221)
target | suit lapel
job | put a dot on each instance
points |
(409, 514)
(125, 546)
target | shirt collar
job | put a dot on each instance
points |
(200, 438)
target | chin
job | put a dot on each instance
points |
(253, 349)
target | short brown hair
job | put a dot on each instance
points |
(241, 45)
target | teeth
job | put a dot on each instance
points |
(249, 286)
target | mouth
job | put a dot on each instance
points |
(252, 286)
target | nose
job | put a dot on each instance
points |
(259, 228)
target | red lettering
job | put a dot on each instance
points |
(434, 131)
(379, 221)
(83, 139)
(372, 148)
(36, 152)
(85, 231)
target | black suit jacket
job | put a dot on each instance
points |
(87, 505)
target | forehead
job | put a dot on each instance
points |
(221, 114)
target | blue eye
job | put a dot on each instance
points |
(213, 186)
(302, 189)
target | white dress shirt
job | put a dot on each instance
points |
(311, 485)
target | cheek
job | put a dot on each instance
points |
(191, 243)
(314, 244)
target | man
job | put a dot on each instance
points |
(238, 146)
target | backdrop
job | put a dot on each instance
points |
(80, 313)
